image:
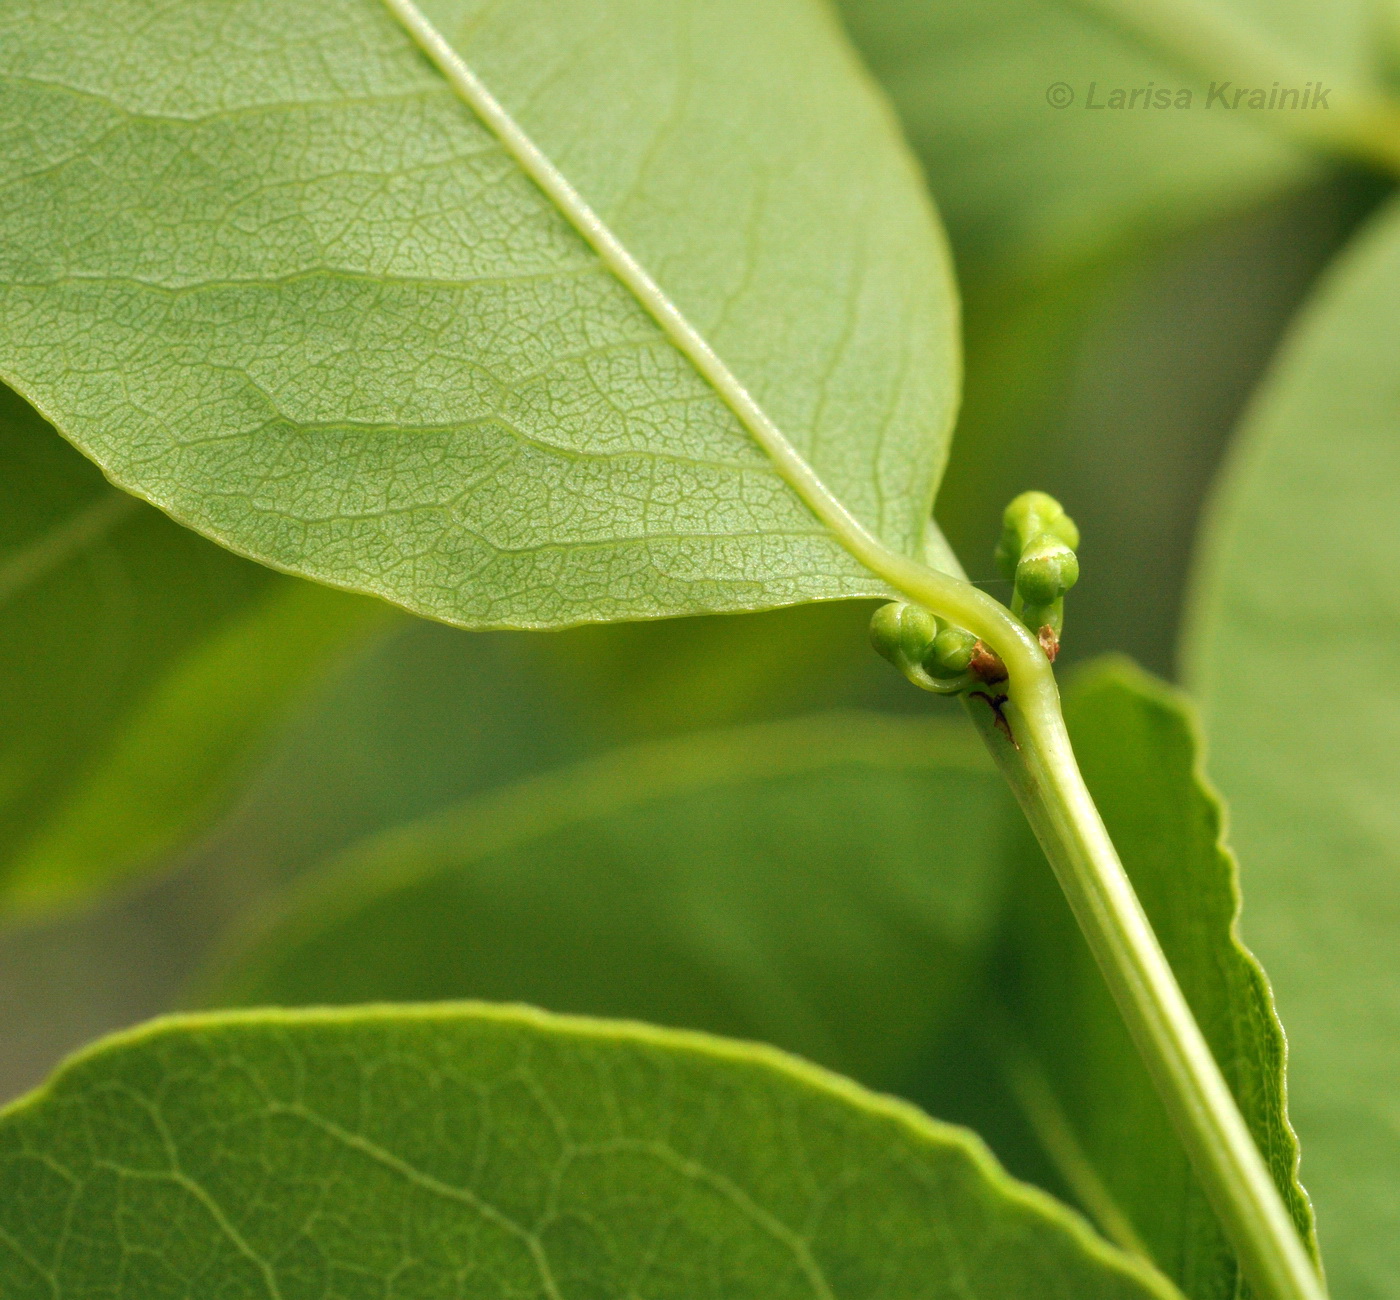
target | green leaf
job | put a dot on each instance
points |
(139, 666)
(1066, 1056)
(269, 270)
(476, 1151)
(779, 888)
(825, 885)
(1295, 652)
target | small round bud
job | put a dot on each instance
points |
(1047, 570)
(1031, 519)
(930, 655)
(952, 652)
(1038, 579)
(903, 633)
(884, 631)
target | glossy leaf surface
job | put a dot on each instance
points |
(466, 1150)
(267, 268)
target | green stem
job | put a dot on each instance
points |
(1046, 779)
(1041, 768)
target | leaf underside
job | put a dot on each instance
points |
(265, 267)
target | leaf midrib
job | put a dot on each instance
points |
(789, 463)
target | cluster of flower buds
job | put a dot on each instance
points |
(1036, 553)
(929, 652)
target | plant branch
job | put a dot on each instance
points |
(1034, 753)
(1047, 783)
(1042, 768)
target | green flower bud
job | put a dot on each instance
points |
(903, 633)
(931, 655)
(952, 653)
(1047, 569)
(1030, 516)
(1036, 551)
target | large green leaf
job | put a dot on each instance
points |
(1295, 652)
(471, 1151)
(1067, 1058)
(825, 885)
(139, 666)
(266, 267)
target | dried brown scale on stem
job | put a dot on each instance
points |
(986, 665)
(1049, 642)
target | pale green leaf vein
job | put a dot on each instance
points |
(434, 1186)
(696, 1172)
(689, 341)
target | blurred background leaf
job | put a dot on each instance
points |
(1294, 648)
(1029, 189)
(141, 667)
(1125, 275)
(823, 884)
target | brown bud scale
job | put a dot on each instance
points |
(986, 664)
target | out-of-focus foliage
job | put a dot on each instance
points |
(423, 719)
(140, 668)
(1124, 274)
(1031, 188)
(826, 885)
(1295, 651)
